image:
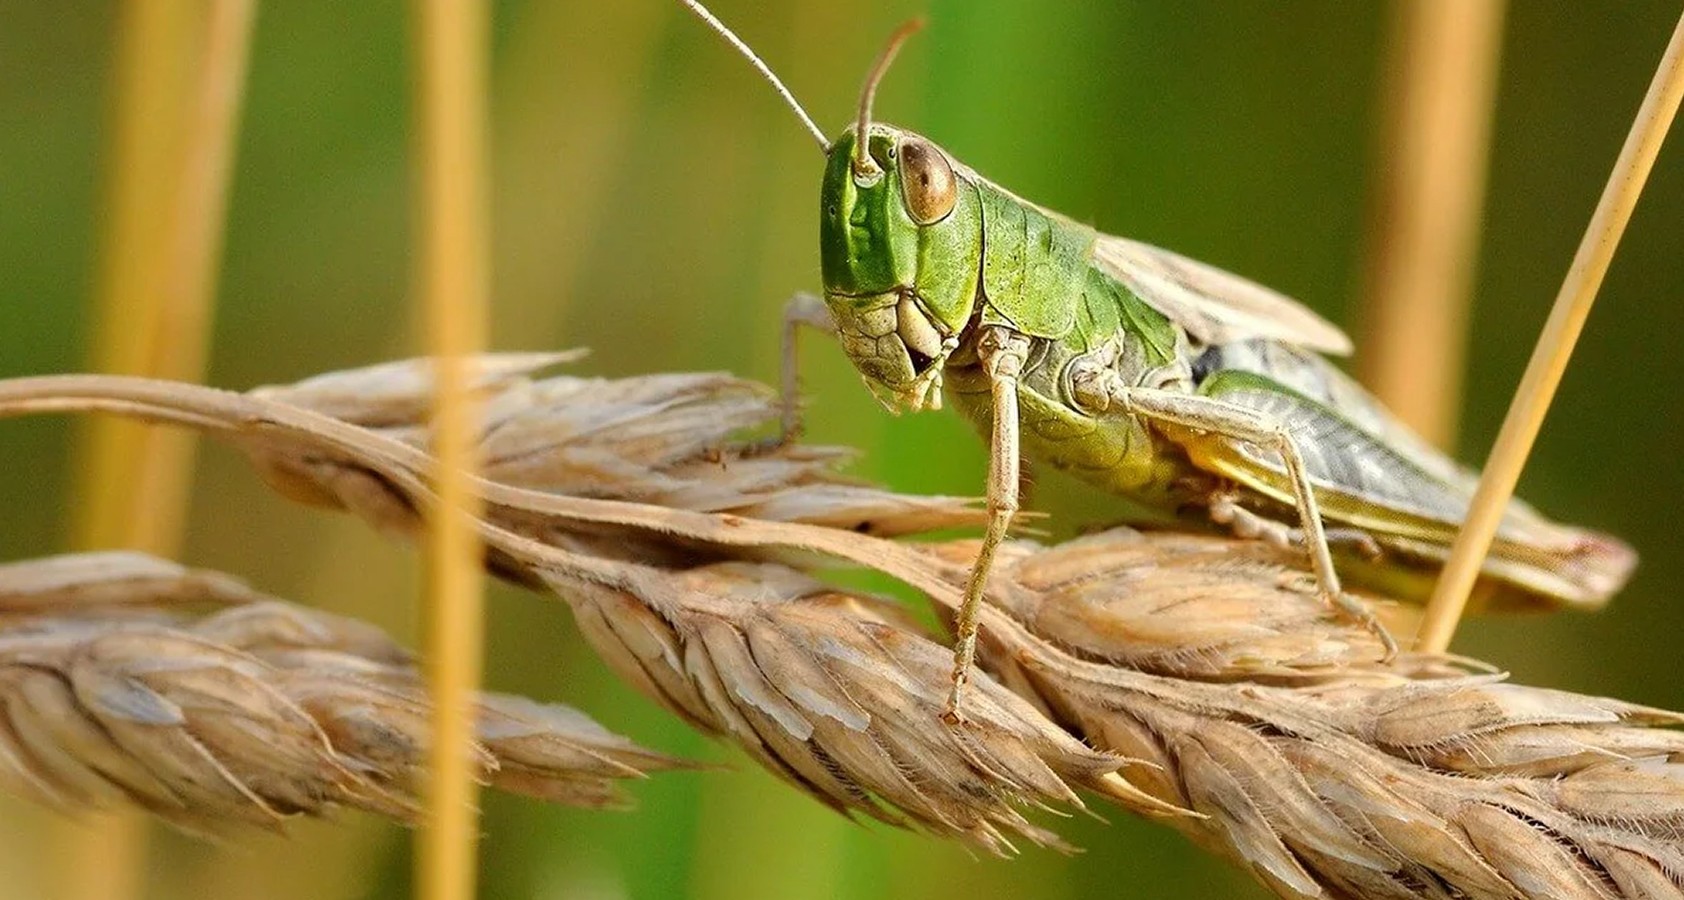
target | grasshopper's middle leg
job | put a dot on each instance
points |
(1239, 423)
(1002, 353)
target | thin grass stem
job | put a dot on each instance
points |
(1555, 347)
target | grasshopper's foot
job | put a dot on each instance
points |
(953, 713)
(1356, 541)
(769, 445)
(790, 429)
(958, 687)
(790, 425)
(1352, 609)
(1357, 610)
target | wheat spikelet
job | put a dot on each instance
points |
(838, 693)
(669, 440)
(117, 688)
(1200, 670)
(834, 692)
(1336, 776)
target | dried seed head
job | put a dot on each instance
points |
(253, 714)
(400, 394)
(668, 440)
(1328, 773)
(1309, 761)
(839, 694)
(1202, 666)
(108, 584)
(1182, 605)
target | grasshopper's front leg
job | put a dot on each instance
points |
(1239, 423)
(1002, 353)
(802, 310)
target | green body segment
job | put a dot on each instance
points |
(1028, 256)
(1029, 259)
(1118, 454)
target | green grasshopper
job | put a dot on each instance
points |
(1147, 374)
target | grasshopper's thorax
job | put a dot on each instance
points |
(901, 243)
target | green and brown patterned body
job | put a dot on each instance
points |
(1104, 316)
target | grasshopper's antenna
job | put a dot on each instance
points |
(864, 167)
(737, 42)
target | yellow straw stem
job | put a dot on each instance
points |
(1424, 230)
(450, 104)
(180, 84)
(1555, 347)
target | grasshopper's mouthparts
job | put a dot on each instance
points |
(895, 344)
(920, 362)
(922, 341)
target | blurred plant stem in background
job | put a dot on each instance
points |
(1440, 86)
(178, 84)
(451, 39)
(1441, 76)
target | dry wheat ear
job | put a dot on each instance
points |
(128, 680)
(1190, 679)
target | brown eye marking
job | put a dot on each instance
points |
(927, 183)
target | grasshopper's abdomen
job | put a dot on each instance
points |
(1372, 473)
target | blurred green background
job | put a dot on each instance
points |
(653, 201)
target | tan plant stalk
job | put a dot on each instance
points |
(1555, 347)
(453, 280)
(1192, 679)
(175, 130)
(1441, 80)
(130, 682)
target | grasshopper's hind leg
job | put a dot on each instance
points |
(1215, 417)
(1225, 510)
(1002, 353)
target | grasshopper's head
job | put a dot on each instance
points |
(900, 239)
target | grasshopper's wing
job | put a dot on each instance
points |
(1405, 494)
(1215, 307)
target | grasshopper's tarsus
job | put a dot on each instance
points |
(1002, 353)
(1358, 541)
(1360, 612)
(807, 310)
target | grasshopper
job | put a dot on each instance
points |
(1145, 373)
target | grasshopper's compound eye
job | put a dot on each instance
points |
(926, 181)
